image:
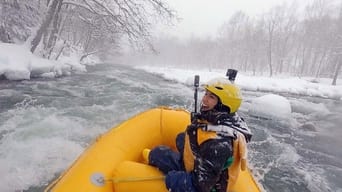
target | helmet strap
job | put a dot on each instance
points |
(221, 108)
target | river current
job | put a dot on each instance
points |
(45, 124)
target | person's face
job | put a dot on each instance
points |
(209, 101)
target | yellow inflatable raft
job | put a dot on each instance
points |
(114, 163)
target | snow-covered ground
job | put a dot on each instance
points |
(18, 63)
(291, 85)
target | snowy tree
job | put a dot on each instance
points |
(91, 25)
(101, 21)
(338, 47)
(18, 18)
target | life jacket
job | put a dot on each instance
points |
(240, 159)
(188, 156)
(239, 150)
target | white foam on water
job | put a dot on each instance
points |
(307, 107)
(34, 162)
(38, 143)
(314, 176)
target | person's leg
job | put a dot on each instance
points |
(180, 140)
(165, 159)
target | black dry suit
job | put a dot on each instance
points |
(205, 153)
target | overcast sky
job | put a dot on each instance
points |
(203, 17)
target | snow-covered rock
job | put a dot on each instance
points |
(270, 106)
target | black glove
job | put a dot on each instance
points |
(191, 131)
(214, 117)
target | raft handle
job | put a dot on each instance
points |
(97, 179)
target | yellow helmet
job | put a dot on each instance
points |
(228, 93)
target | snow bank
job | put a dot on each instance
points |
(15, 62)
(292, 85)
(18, 63)
(271, 106)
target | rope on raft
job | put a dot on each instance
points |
(136, 179)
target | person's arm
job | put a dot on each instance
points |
(213, 154)
(208, 167)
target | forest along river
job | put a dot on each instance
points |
(46, 123)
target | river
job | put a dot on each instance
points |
(46, 123)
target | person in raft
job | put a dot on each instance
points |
(212, 150)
